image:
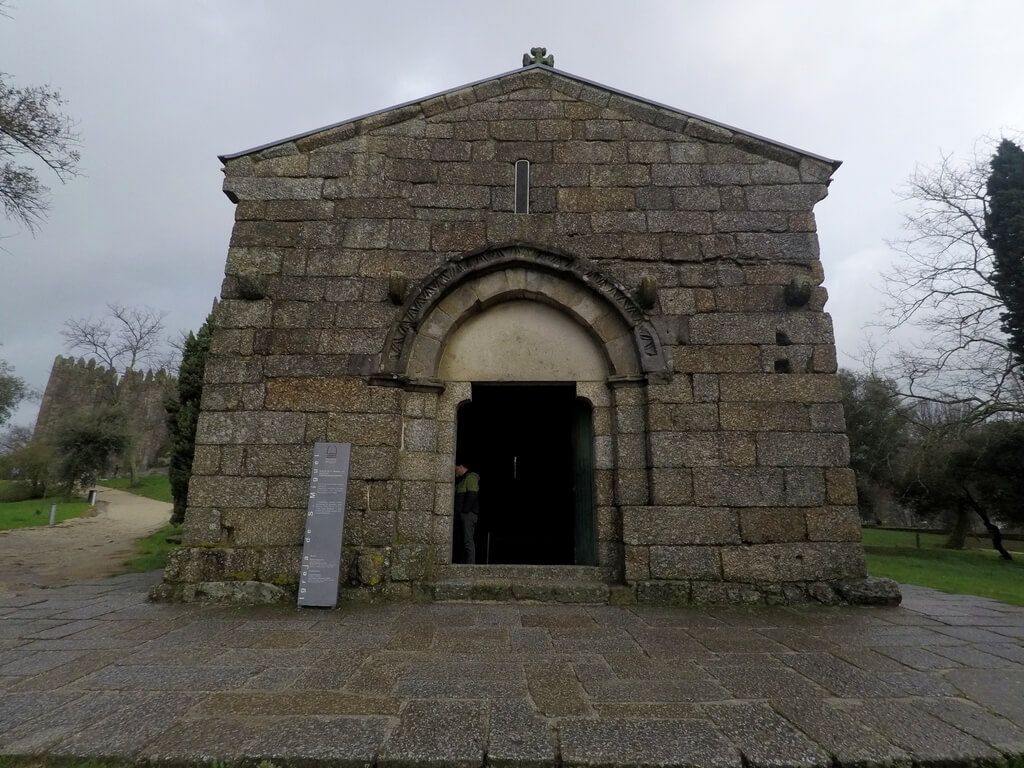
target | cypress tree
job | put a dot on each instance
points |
(183, 414)
(1004, 233)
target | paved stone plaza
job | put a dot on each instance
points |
(97, 670)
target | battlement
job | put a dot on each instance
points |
(77, 385)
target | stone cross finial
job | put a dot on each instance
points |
(538, 56)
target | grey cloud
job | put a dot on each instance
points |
(161, 88)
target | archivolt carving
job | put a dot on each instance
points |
(442, 281)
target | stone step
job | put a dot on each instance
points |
(574, 574)
(547, 591)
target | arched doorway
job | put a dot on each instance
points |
(533, 446)
(513, 333)
(525, 431)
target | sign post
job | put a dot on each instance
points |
(325, 521)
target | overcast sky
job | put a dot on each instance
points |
(161, 88)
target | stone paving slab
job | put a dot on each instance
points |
(95, 670)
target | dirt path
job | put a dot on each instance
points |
(83, 548)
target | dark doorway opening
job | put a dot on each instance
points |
(532, 445)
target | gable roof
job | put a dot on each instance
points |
(405, 111)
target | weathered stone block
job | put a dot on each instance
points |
(688, 417)
(841, 485)
(244, 314)
(671, 487)
(423, 466)
(761, 417)
(278, 460)
(798, 561)
(739, 486)
(191, 565)
(383, 495)
(365, 428)
(696, 199)
(706, 388)
(774, 525)
(679, 390)
(450, 196)
(242, 188)
(802, 449)
(417, 495)
(795, 388)
(413, 526)
(232, 397)
(595, 199)
(679, 525)
(802, 246)
(711, 592)
(373, 462)
(679, 222)
(638, 563)
(249, 427)
(280, 565)
(685, 563)
(264, 527)
(206, 460)
(664, 592)
(759, 328)
(408, 563)
(786, 197)
(685, 449)
(833, 524)
(736, 358)
(805, 486)
(633, 486)
(870, 591)
(330, 394)
(288, 492)
(827, 417)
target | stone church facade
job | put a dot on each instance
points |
(609, 307)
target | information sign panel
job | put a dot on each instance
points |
(325, 521)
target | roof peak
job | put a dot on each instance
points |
(656, 112)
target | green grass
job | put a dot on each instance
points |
(25, 514)
(151, 486)
(151, 552)
(975, 571)
(875, 537)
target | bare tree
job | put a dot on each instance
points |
(13, 438)
(33, 127)
(170, 358)
(942, 288)
(123, 339)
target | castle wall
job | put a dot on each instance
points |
(76, 386)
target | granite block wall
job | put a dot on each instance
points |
(722, 467)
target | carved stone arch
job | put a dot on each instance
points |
(481, 279)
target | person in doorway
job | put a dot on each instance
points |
(467, 508)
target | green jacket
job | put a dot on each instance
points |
(467, 494)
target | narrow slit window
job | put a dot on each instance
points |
(522, 186)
